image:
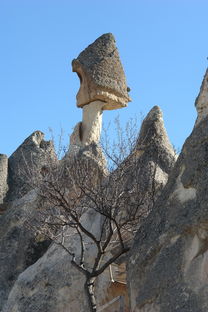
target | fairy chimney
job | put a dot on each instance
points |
(102, 87)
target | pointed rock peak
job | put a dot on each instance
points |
(35, 138)
(201, 102)
(154, 114)
(153, 129)
(153, 140)
(101, 74)
(26, 163)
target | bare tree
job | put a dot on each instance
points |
(71, 189)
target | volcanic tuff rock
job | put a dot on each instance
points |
(167, 270)
(3, 177)
(139, 179)
(102, 87)
(52, 283)
(202, 100)
(18, 246)
(101, 74)
(145, 171)
(26, 162)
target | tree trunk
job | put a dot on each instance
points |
(89, 288)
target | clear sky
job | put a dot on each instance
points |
(163, 46)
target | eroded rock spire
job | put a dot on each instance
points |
(102, 87)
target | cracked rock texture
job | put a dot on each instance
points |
(26, 162)
(145, 171)
(101, 74)
(52, 283)
(3, 177)
(18, 246)
(167, 269)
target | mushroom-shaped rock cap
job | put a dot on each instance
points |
(101, 74)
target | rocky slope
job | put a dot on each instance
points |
(167, 270)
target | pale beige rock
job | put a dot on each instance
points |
(168, 265)
(202, 100)
(102, 87)
(101, 74)
(88, 131)
(92, 122)
(3, 176)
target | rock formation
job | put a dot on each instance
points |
(140, 178)
(52, 283)
(167, 263)
(26, 162)
(3, 177)
(167, 270)
(202, 100)
(18, 246)
(101, 74)
(102, 87)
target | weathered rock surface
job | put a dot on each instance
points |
(145, 171)
(18, 246)
(167, 270)
(3, 176)
(26, 163)
(202, 100)
(101, 74)
(140, 177)
(52, 283)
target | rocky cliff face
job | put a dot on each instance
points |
(18, 246)
(167, 270)
(52, 283)
(3, 177)
(140, 177)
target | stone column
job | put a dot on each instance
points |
(91, 122)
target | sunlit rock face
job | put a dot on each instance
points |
(52, 283)
(3, 177)
(101, 74)
(140, 178)
(202, 100)
(167, 269)
(26, 163)
(102, 87)
(44, 279)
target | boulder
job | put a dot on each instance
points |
(167, 269)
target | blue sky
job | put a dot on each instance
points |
(163, 47)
